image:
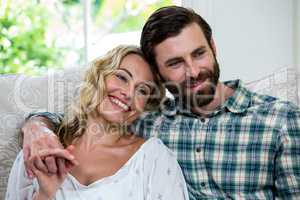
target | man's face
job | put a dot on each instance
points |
(188, 65)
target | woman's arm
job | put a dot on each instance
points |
(20, 186)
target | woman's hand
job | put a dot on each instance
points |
(49, 182)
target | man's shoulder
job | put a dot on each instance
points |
(262, 102)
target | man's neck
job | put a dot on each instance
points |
(222, 93)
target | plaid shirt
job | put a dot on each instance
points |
(247, 149)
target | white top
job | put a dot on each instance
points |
(151, 173)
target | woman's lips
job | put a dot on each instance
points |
(118, 102)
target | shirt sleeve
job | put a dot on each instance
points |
(54, 118)
(19, 186)
(166, 180)
(287, 161)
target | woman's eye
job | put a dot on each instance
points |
(143, 91)
(122, 77)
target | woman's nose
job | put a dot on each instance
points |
(128, 92)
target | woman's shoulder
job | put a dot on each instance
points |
(154, 147)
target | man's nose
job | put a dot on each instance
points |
(191, 70)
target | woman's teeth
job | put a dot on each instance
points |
(120, 104)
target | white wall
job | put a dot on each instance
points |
(253, 37)
(297, 34)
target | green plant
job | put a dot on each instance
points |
(24, 47)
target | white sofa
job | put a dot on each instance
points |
(21, 95)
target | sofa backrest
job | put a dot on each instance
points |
(21, 95)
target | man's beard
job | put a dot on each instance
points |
(190, 100)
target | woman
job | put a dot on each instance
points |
(106, 161)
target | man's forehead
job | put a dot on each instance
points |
(190, 38)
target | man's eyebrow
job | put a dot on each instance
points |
(175, 59)
(201, 48)
(128, 72)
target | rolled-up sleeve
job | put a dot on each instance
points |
(287, 161)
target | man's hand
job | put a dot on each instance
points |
(37, 135)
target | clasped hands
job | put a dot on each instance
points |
(45, 158)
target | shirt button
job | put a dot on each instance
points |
(202, 184)
(198, 149)
(202, 120)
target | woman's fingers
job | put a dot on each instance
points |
(51, 164)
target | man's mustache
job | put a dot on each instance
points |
(202, 76)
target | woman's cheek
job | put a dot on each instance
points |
(140, 105)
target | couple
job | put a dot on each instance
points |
(103, 159)
(230, 143)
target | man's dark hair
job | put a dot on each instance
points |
(168, 22)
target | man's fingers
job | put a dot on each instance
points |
(60, 153)
(38, 163)
(51, 164)
(61, 166)
(26, 155)
(26, 152)
(70, 148)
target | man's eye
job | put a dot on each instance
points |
(174, 64)
(199, 53)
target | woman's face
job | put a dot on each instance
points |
(127, 91)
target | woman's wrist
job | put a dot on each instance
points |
(40, 195)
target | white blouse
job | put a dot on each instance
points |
(151, 173)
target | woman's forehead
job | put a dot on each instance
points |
(136, 67)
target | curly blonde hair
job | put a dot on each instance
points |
(92, 92)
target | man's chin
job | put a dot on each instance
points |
(200, 98)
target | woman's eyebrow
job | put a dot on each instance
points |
(128, 72)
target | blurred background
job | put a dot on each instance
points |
(253, 37)
(37, 35)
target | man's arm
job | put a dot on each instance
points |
(38, 133)
(287, 160)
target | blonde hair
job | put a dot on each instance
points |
(92, 92)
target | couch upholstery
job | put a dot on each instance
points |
(21, 95)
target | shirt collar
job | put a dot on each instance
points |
(237, 103)
(241, 98)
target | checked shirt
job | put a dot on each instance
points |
(247, 149)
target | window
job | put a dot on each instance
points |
(40, 34)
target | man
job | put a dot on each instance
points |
(231, 143)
